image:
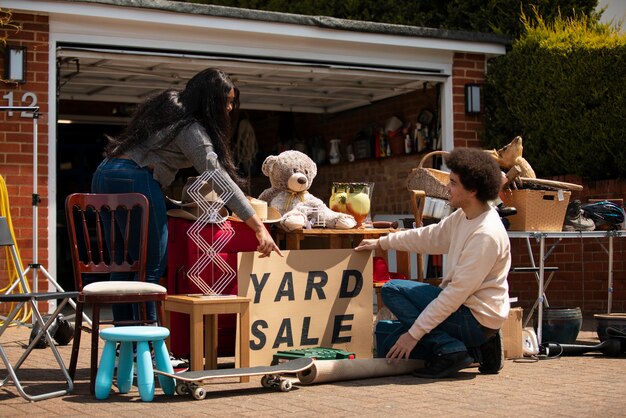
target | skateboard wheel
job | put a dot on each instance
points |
(199, 393)
(182, 389)
(285, 385)
(266, 381)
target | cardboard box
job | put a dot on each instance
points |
(512, 334)
(537, 210)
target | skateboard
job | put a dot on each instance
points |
(189, 383)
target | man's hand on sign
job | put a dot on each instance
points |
(368, 244)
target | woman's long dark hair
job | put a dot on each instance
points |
(203, 100)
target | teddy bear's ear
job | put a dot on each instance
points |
(313, 169)
(268, 164)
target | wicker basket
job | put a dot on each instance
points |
(432, 181)
(537, 210)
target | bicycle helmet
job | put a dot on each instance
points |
(604, 213)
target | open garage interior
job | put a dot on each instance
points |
(98, 88)
(126, 76)
(291, 105)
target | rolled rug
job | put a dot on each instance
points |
(324, 371)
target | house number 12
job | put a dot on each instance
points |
(29, 99)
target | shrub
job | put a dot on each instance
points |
(561, 87)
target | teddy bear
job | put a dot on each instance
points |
(291, 174)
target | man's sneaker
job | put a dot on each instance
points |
(492, 355)
(581, 223)
(445, 366)
(575, 220)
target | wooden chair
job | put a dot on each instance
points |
(403, 260)
(108, 234)
(418, 199)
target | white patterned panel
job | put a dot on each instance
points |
(221, 274)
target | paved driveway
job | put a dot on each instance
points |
(590, 385)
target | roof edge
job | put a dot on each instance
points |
(319, 21)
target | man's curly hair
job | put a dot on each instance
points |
(477, 170)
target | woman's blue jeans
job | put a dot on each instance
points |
(116, 175)
(407, 299)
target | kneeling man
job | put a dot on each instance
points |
(457, 323)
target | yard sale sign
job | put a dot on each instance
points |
(308, 298)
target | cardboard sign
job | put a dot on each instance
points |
(308, 298)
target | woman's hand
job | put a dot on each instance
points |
(368, 244)
(402, 348)
(266, 242)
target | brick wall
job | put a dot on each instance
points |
(270, 127)
(467, 69)
(16, 143)
(582, 278)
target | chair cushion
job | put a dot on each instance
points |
(122, 287)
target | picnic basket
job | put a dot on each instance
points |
(432, 181)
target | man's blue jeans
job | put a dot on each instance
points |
(407, 299)
(116, 175)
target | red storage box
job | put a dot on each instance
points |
(182, 254)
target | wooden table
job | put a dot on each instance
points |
(346, 238)
(205, 331)
(338, 238)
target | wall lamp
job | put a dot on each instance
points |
(15, 63)
(472, 99)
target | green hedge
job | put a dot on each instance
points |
(563, 89)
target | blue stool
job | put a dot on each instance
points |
(126, 336)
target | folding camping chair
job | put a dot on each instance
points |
(31, 299)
